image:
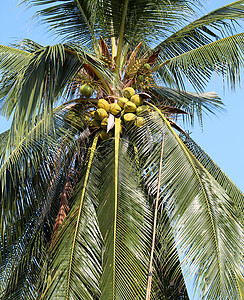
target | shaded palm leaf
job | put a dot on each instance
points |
(76, 249)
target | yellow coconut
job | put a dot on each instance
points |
(86, 90)
(137, 99)
(129, 107)
(129, 117)
(95, 123)
(128, 92)
(122, 101)
(141, 109)
(100, 114)
(139, 121)
(105, 135)
(115, 109)
(102, 103)
(104, 123)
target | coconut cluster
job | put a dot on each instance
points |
(127, 108)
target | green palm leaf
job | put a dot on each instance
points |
(124, 219)
(224, 56)
(76, 248)
(80, 24)
(191, 103)
(234, 193)
(203, 30)
(200, 212)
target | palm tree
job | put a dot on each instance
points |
(103, 194)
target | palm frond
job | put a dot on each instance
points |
(191, 103)
(125, 224)
(27, 172)
(203, 31)
(200, 211)
(168, 279)
(224, 56)
(76, 248)
(78, 24)
(231, 189)
(144, 20)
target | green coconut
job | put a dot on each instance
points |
(104, 123)
(140, 78)
(105, 135)
(129, 117)
(102, 103)
(100, 114)
(130, 107)
(139, 121)
(95, 123)
(147, 67)
(141, 109)
(115, 109)
(86, 90)
(128, 92)
(137, 99)
(122, 101)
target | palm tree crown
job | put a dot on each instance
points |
(95, 167)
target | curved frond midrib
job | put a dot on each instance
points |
(190, 160)
(92, 152)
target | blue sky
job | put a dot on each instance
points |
(222, 136)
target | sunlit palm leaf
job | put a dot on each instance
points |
(200, 212)
(203, 30)
(192, 103)
(78, 25)
(234, 193)
(124, 219)
(224, 57)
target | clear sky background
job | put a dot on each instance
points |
(222, 135)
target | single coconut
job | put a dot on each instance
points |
(100, 114)
(122, 101)
(102, 103)
(137, 99)
(141, 109)
(128, 92)
(129, 117)
(147, 67)
(104, 123)
(105, 135)
(129, 107)
(139, 121)
(86, 90)
(115, 109)
(140, 78)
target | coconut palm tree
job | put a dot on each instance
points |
(103, 194)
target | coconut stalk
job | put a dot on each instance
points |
(149, 279)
